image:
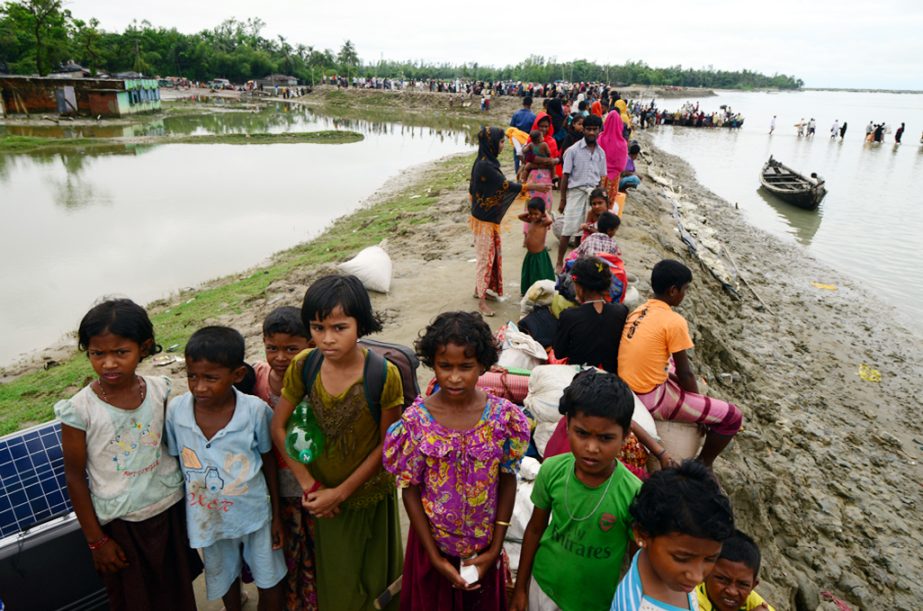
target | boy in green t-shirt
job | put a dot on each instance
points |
(575, 564)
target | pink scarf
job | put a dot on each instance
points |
(613, 143)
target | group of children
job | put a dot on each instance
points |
(152, 478)
(208, 470)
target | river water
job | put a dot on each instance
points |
(142, 221)
(870, 223)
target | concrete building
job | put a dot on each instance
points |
(79, 96)
(280, 80)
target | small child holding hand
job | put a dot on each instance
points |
(221, 437)
(536, 265)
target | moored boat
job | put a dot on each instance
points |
(792, 187)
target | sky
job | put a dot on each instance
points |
(827, 43)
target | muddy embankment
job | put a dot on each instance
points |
(826, 472)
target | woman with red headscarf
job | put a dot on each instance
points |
(540, 169)
(613, 143)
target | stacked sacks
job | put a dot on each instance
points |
(546, 386)
(519, 350)
(522, 510)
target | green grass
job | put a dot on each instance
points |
(29, 399)
(25, 144)
(32, 144)
(393, 108)
(319, 137)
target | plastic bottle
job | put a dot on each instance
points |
(304, 440)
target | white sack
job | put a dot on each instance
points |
(522, 510)
(632, 298)
(521, 351)
(373, 267)
(539, 294)
(642, 417)
(681, 439)
(542, 435)
(546, 385)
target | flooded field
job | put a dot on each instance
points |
(143, 221)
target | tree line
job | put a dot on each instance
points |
(38, 36)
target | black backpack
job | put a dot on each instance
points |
(375, 372)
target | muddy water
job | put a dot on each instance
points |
(869, 224)
(143, 221)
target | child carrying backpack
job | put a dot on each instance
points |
(357, 534)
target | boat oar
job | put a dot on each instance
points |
(384, 599)
(744, 279)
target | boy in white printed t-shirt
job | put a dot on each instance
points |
(221, 437)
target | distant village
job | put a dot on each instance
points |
(73, 90)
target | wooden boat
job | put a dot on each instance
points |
(792, 187)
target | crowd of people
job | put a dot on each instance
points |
(568, 93)
(690, 115)
(600, 451)
(585, 97)
(168, 487)
(874, 132)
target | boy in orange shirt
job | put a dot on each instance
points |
(654, 333)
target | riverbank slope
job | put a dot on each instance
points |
(826, 472)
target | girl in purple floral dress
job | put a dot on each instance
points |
(455, 456)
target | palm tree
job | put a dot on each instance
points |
(347, 57)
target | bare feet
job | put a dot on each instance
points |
(485, 309)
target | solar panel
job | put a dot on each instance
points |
(32, 486)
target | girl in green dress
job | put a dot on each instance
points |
(357, 539)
